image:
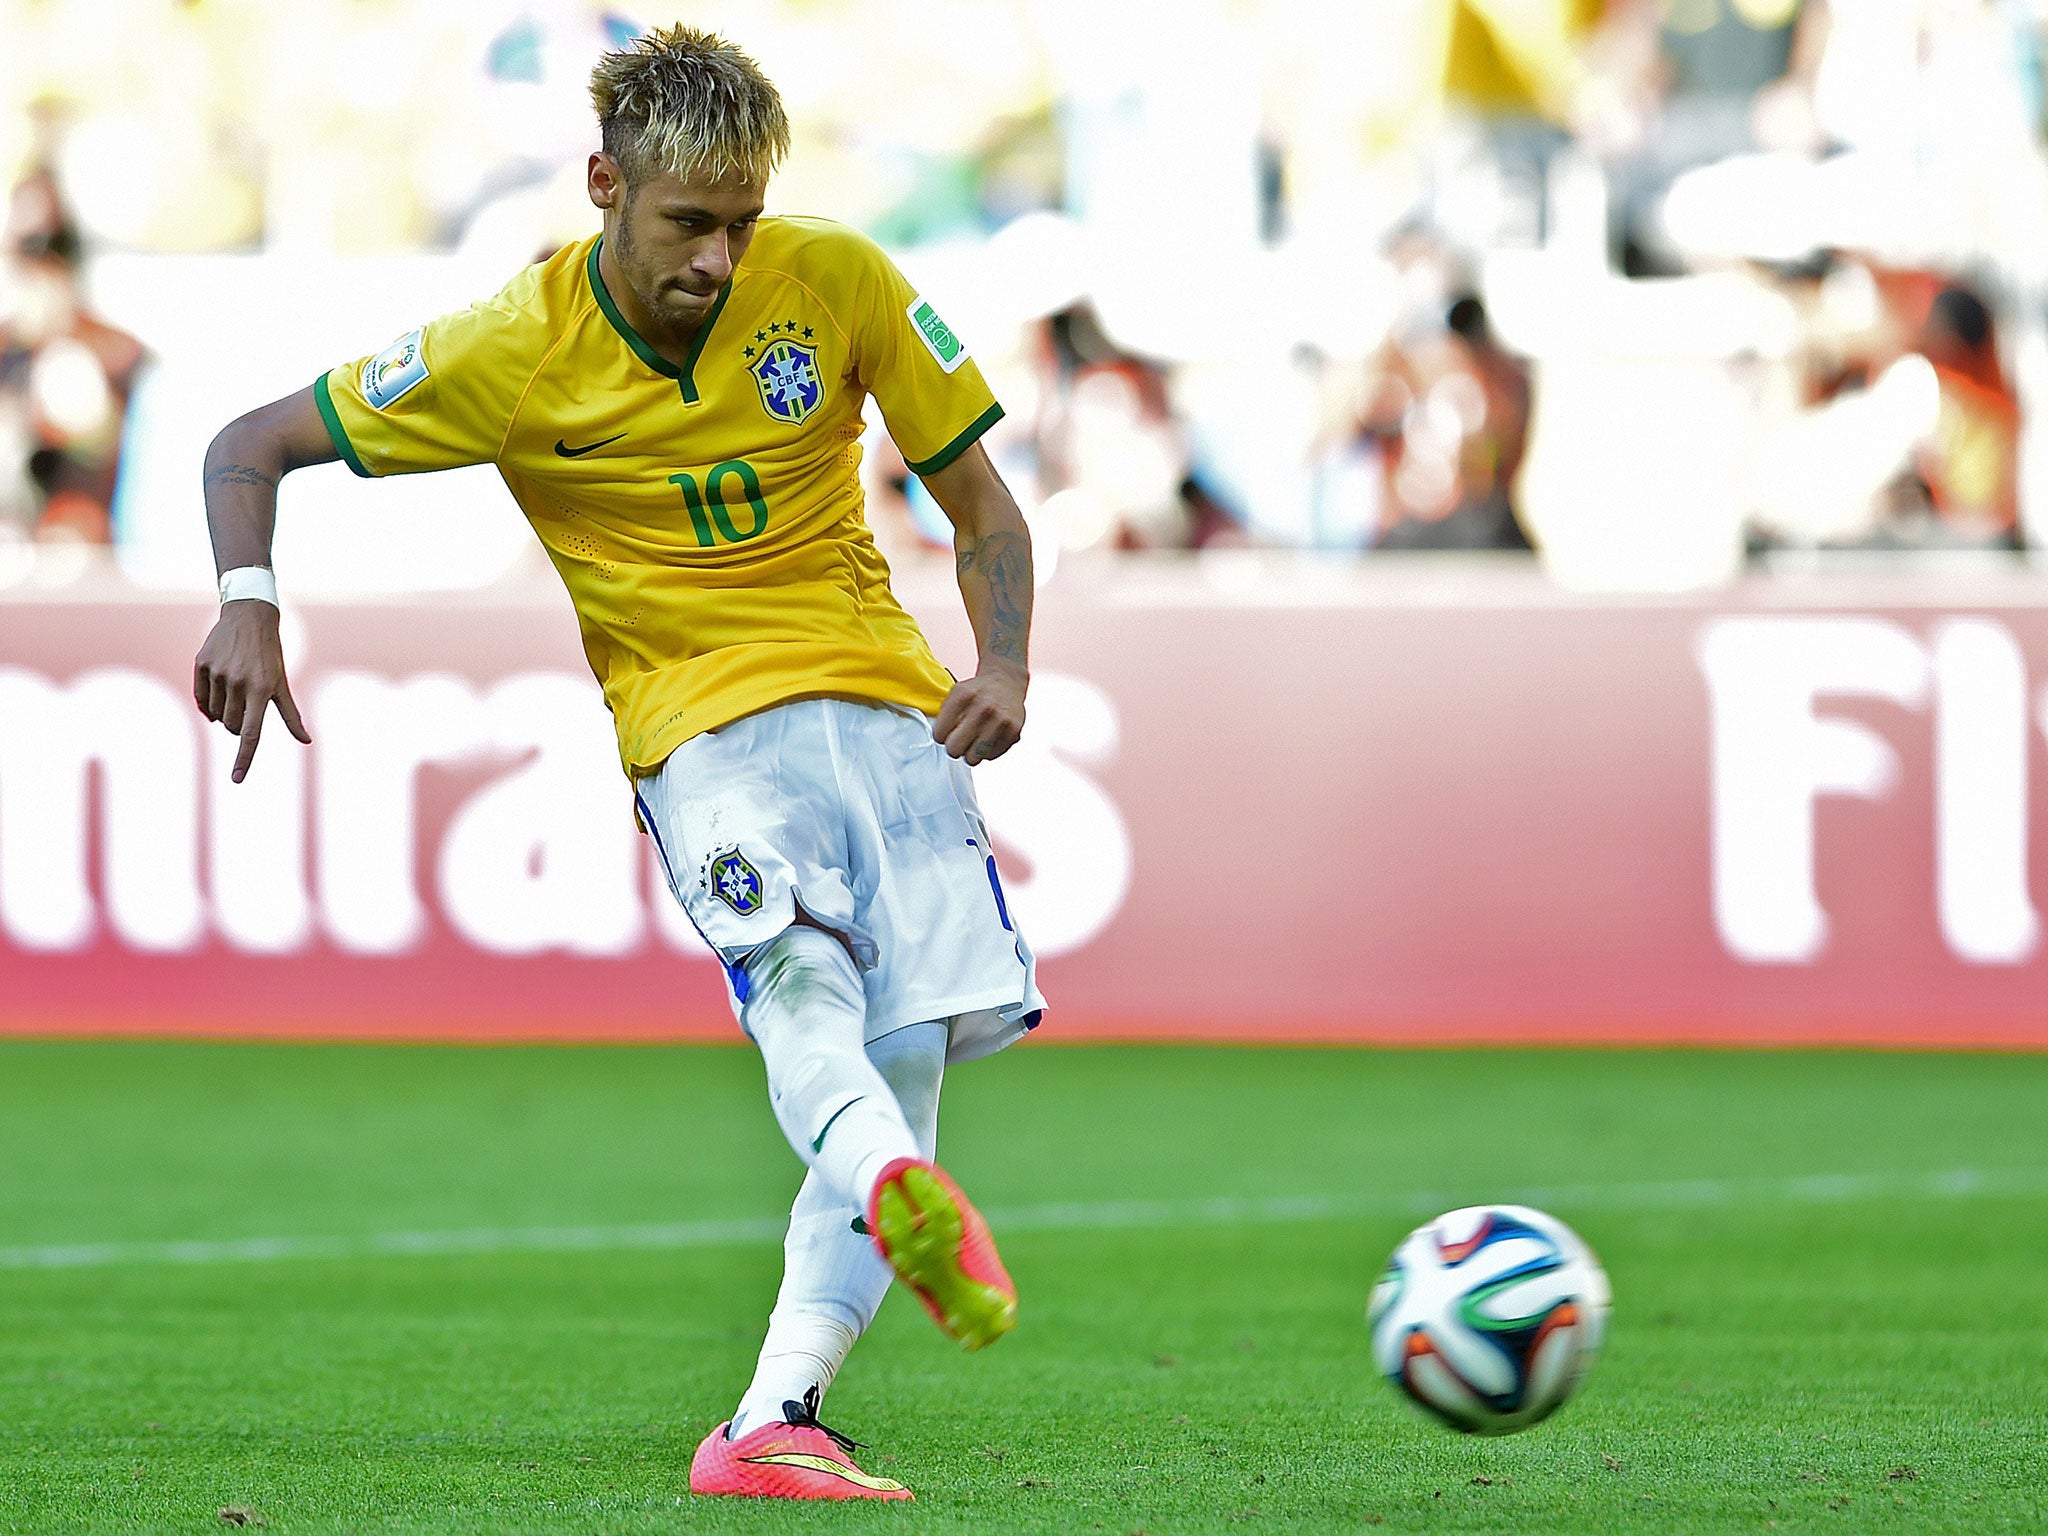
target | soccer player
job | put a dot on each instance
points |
(676, 407)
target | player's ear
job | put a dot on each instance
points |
(607, 183)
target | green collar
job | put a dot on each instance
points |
(684, 376)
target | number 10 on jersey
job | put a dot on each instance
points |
(711, 512)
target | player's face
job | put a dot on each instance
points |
(676, 243)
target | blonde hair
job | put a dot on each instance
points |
(691, 104)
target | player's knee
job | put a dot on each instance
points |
(795, 995)
(799, 968)
(782, 975)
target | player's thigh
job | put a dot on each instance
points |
(750, 830)
(925, 881)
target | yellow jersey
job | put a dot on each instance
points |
(707, 520)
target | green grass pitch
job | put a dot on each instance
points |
(519, 1284)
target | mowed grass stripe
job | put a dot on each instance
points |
(1065, 1216)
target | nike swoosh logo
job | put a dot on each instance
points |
(819, 1144)
(576, 453)
(826, 1465)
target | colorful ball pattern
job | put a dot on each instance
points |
(1489, 1317)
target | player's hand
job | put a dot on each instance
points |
(240, 674)
(984, 715)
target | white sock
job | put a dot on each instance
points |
(833, 1280)
(807, 1011)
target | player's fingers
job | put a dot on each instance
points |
(202, 686)
(288, 711)
(251, 732)
(951, 721)
(967, 729)
(235, 708)
(986, 738)
(950, 712)
(1005, 733)
(216, 696)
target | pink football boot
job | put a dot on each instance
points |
(939, 1246)
(796, 1459)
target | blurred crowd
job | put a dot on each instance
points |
(65, 380)
(1420, 274)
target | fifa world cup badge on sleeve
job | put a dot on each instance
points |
(394, 370)
(937, 336)
(735, 882)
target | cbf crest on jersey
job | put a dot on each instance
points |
(736, 882)
(786, 373)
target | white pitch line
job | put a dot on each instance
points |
(1068, 1216)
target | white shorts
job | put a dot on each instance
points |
(854, 815)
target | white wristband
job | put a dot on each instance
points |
(249, 581)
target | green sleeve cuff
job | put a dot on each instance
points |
(960, 444)
(342, 445)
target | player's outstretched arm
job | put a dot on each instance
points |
(240, 670)
(984, 715)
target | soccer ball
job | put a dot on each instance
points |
(1489, 1316)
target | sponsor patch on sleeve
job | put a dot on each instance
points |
(937, 336)
(395, 370)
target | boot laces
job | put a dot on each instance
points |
(804, 1415)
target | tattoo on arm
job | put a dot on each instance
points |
(1003, 561)
(239, 474)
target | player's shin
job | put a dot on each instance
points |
(832, 1283)
(833, 1280)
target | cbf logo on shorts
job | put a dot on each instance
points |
(937, 336)
(786, 373)
(394, 370)
(736, 882)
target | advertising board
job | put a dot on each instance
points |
(1310, 807)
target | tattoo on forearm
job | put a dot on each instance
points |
(240, 474)
(1003, 561)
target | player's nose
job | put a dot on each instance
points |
(713, 258)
